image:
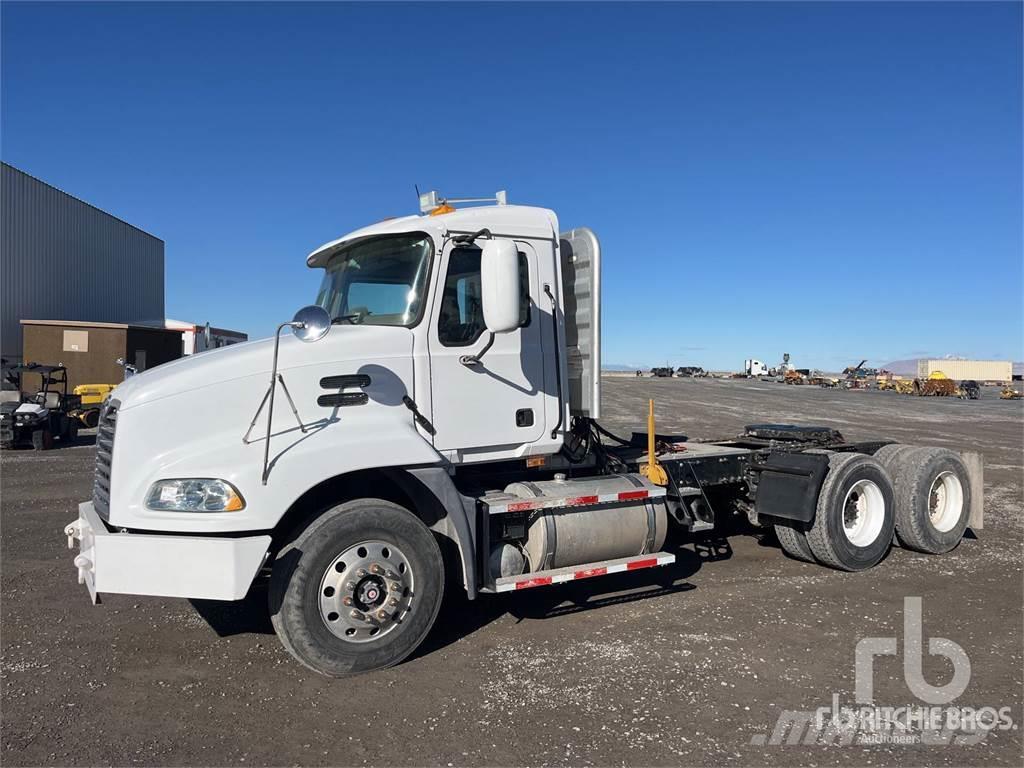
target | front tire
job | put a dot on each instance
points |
(358, 589)
(854, 521)
(42, 440)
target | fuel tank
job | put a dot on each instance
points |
(573, 536)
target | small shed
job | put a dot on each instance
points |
(90, 350)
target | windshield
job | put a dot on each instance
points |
(378, 282)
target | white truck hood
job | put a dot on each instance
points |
(242, 361)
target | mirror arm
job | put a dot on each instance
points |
(468, 239)
(268, 399)
(475, 359)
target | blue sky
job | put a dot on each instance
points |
(837, 181)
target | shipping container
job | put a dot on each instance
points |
(979, 370)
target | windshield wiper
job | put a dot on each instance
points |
(342, 318)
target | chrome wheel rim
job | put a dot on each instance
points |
(945, 502)
(366, 591)
(863, 513)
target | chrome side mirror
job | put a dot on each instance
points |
(311, 323)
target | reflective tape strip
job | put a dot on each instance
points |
(586, 573)
(575, 501)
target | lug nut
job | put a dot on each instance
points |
(351, 586)
(357, 615)
(396, 586)
(393, 601)
(376, 570)
(361, 573)
(382, 615)
(346, 601)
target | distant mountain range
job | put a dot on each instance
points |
(902, 367)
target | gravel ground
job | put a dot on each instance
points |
(690, 665)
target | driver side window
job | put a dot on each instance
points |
(461, 321)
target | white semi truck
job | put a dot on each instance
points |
(431, 424)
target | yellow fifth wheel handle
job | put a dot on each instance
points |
(652, 470)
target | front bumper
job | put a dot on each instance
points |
(202, 567)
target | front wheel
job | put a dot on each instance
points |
(42, 440)
(358, 589)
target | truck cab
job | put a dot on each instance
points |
(428, 424)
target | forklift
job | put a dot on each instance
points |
(40, 418)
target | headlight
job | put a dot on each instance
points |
(194, 495)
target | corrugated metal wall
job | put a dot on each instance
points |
(62, 259)
(979, 370)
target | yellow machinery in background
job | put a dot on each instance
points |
(903, 386)
(1009, 393)
(92, 396)
(937, 384)
(893, 384)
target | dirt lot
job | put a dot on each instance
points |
(692, 665)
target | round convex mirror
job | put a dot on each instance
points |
(311, 323)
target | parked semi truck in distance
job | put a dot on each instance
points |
(755, 368)
(432, 424)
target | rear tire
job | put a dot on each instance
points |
(328, 586)
(933, 499)
(792, 537)
(854, 521)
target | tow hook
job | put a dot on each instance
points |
(73, 531)
(83, 564)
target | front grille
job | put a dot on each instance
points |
(104, 458)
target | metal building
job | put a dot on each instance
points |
(979, 370)
(61, 258)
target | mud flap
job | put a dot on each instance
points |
(975, 463)
(789, 485)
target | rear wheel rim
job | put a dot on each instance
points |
(945, 502)
(863, 513)
(366, 591)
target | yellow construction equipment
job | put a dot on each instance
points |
(937, 384)
(1009, 393)
(652, 470)
(92, 396)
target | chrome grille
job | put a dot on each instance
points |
(104, 459)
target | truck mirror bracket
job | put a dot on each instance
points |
(470, 360)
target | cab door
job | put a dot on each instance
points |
(487, 400)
